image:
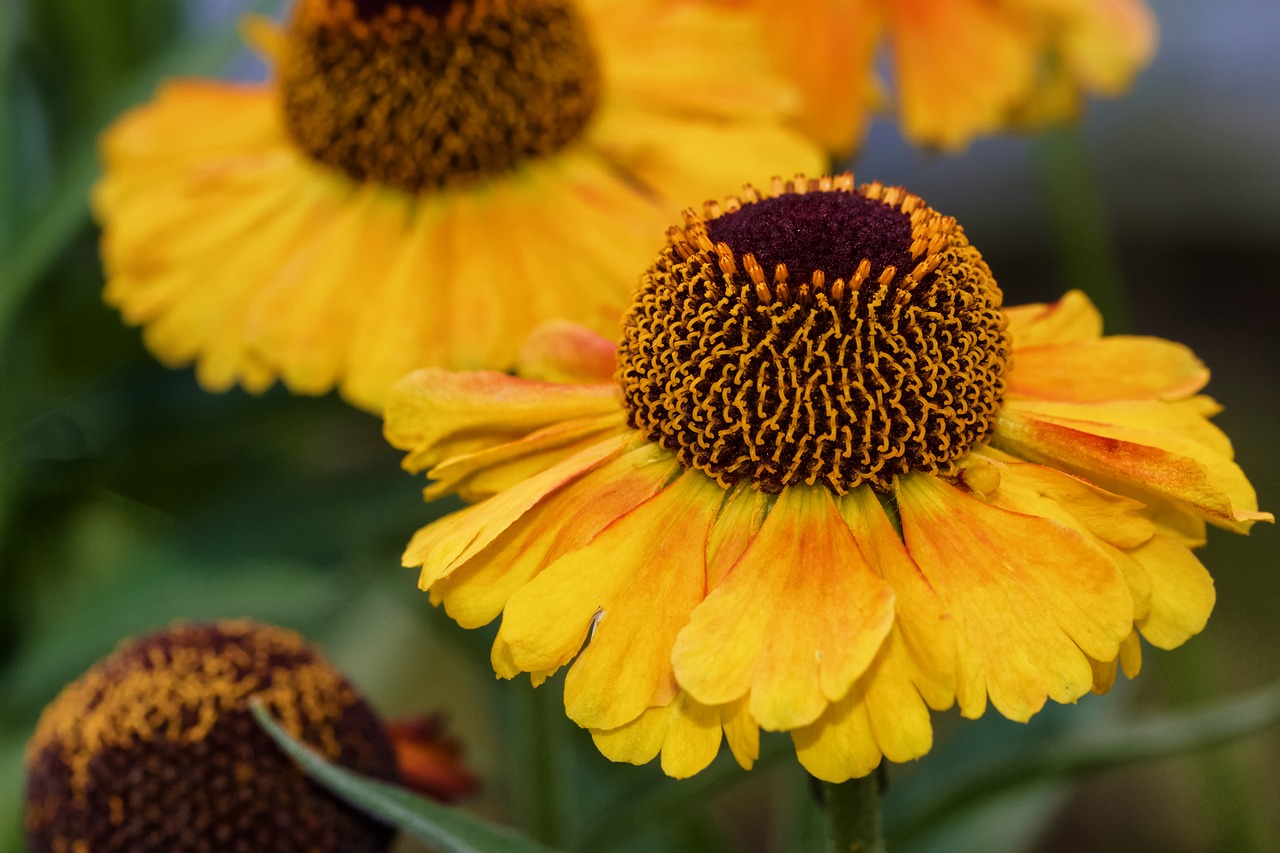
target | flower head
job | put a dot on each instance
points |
(826, 483)
(155, 749)
(960, 69)
(424, 181)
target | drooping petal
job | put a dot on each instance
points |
(604, 594)
(1132, 460)
(442, 546)
(1033, 600)
(438, 414)
(685, 732)
(565, 521)
(796, 620)
(1119, 367)
(1182, 593)
(1071, 319)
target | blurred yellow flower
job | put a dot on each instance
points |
(424, 181)
(827, 483)
(961, 69)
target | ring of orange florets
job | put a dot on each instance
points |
(782, 381)
(419, 95)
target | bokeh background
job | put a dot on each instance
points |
(129, 497)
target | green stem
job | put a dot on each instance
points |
(1078, 218)
(542, 783)
(853, 816)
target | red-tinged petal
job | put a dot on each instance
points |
(605, 594)
(1133, 461)
(475, 593)
(1187, 418)
(1182, 593)
(1032, 600)
(560, 351)
(1112, 368)
(1071, 319)
(685, 732)
(484, 473)
(797, 619)
(437, 414)
(442, 546)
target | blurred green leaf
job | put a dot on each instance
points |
(1092, 751)
(451, 829)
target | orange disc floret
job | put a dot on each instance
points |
(155, 749)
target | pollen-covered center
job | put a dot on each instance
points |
(824, 334)
(417, 94)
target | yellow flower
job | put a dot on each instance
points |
(961, 68)
(827, 483)
(155, 750)
(423, 182)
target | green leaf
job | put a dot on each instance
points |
(448, 828)
(1094, 751)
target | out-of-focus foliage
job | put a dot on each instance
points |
(128, 497)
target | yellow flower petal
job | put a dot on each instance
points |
(959, 66)
(685, 732)
(1112, 368)
(604, 594)
(438, 414)
(442, 546)
(1071, 319)
(797, 619)
(1133, 461)
(1032, 600)
(565, 521)
(1182, 594)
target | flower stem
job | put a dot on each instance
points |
(853, 816)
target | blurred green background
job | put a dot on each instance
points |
(129, 497)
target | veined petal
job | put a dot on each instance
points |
(604, 594)
(1120, 367)
(740, 518)
(565, 521)
(797, 619)
(560, 351)
(1033, 600)
(1133, 461)
(1188, 418)
(684, 731)
(1182, 594)
(438, 414)
(479, 475)
(442, 546)
(1072, 319)
(887, 710)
